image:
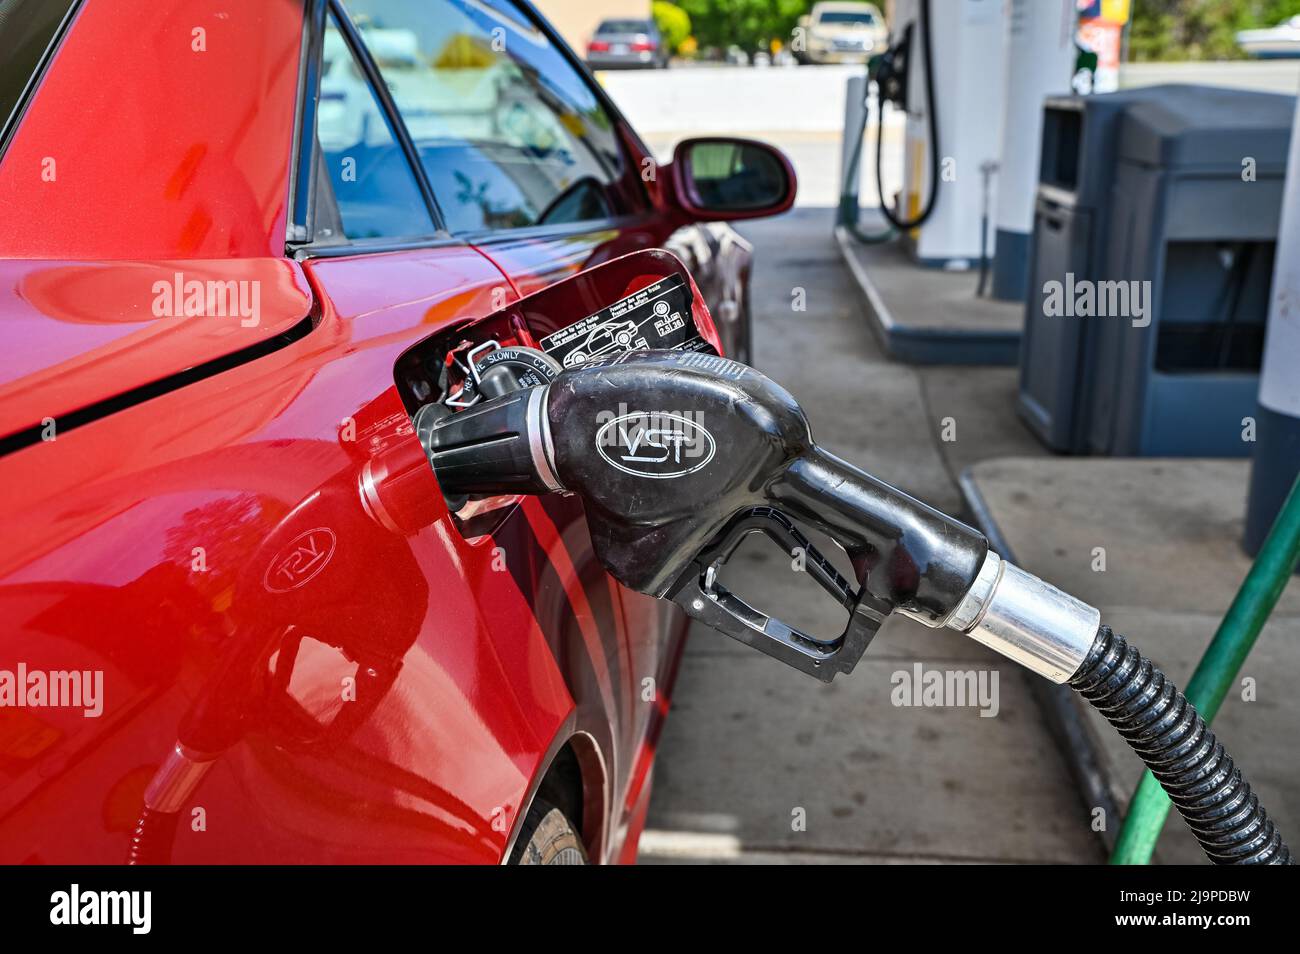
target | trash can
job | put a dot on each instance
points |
(1195, 210)
(1153, 259)
(1076, 167)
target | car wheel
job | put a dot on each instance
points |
(548, 838)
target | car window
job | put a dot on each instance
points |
(374, 187)
(508, 131)
(27, 28)
(864, 17)
(625, 26)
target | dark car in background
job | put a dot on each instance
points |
(627, 44)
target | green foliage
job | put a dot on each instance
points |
(674, 23)
(1199, 29)
(749, 24)
(1161, 29)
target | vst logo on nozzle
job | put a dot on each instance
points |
(655, 444)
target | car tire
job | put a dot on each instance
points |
(548, 838)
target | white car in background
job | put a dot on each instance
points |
(1279, 42)
(841, 33)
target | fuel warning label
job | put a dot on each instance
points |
(656, 317)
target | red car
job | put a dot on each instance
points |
(238, 622)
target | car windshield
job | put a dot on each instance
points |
(27, 28)
(624, 26)
(853, 17)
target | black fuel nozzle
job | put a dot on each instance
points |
(677, 457)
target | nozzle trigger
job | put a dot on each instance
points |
(700, 594)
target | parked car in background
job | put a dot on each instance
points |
(215, 508)
(1279, 42)
(841, 33)
(627, 44)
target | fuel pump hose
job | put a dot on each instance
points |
(895, 217)
(849, 211)
(1181, 751)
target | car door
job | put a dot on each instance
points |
(375, 212)
(527, 164)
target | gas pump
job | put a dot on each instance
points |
(956, 61)
(887, 74)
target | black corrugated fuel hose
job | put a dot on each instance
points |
(1170, 736)
(894, 217)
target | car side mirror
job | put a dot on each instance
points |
(723, 178)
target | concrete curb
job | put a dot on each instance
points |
(924, 345)
(1061, 708)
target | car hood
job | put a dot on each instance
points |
(77, 334)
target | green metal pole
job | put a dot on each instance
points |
(1218, 668)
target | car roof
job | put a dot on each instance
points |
(621, 24)
(846, 6)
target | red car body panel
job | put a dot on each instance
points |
(202, 535)
(533, 263)
(78, 333)
(159, 151)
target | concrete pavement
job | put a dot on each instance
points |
(759, 763)
(1271, 76)
(1154, 544)
(792, 99)
(931, 317)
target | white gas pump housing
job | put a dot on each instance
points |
(1040, 61)
(967, 38)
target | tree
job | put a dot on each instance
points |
(749, 24)
(673, 22)
(1199, 29)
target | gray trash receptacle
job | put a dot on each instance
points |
(1176, 201)
(1195, 209)
(1070, 217)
